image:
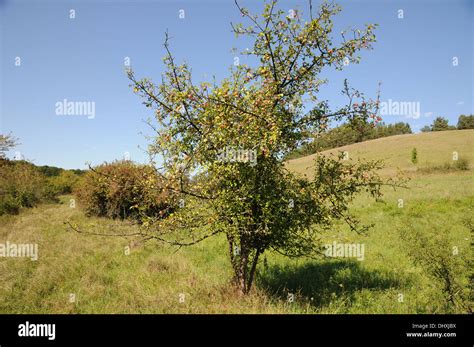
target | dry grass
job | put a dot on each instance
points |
(434, 149)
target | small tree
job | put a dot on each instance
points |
(426, 129)
(7, 142)
(231, 137)
(465, 122)
(414, 156)
(440, 124)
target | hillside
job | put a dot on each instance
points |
(434, 149)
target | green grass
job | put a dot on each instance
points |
(151, 278)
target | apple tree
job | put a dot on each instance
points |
(221, 145)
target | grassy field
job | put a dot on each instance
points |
(154, 278)
(433, 148)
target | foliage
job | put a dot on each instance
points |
(462, 164)
(443, 261)
(50, 171)
(439, 124)
(63, 183)
(123, 189)
(425, 129)
(21, 185)
(465, 122)
(6, 143)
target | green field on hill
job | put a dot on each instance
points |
(78, 273)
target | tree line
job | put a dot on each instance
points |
(442, 124)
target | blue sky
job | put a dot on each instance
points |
(82, 59)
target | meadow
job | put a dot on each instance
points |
(77, 273)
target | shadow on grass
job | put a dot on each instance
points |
(318, 282)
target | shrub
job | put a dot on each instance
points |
(21, 185)
(434, 251)
(462, 164)
(63, 183)
(123, 189)
(459, 165)
(9, 205)
(426, 129)
(414, 156)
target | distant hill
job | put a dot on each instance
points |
(433, 148)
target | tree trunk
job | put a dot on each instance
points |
(244, 269)
(242, 272)
(252, 270)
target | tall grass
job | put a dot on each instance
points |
(154, 277)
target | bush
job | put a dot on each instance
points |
(21, 185)
(414, 156)
(461, 164)
(435, 252)
(63, 183)
(9, 205)
(122, 190)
